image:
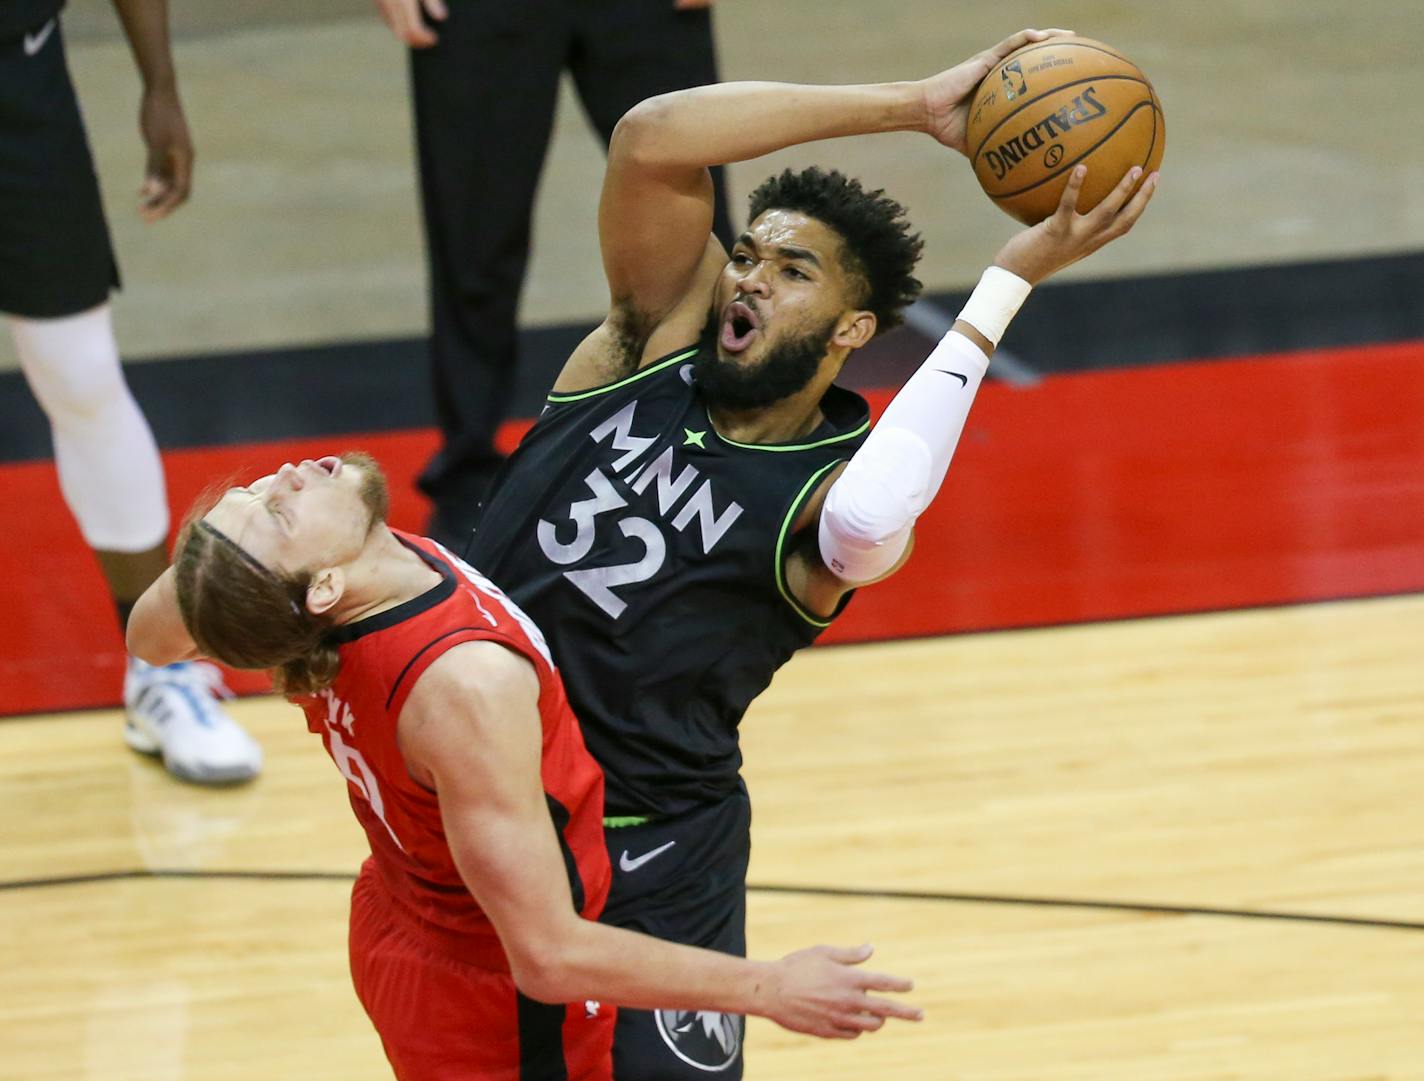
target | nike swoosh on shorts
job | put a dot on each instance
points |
(632, 865)
(36, 41)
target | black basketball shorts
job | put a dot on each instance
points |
(56, 258)
(682, 879)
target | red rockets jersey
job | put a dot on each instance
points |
(382, 656)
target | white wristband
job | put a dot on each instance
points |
(994, 302)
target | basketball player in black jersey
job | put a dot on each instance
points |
(698, 499)
(57, 269)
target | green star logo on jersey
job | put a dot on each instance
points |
(694, 439)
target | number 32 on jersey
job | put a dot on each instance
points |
(598, 583)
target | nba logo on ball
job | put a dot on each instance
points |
(702, 1039)
(1013, 77)
(1052, 105)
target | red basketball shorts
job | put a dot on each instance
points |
(445, 1019)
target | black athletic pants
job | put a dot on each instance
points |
(484, 107)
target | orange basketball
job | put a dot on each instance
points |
(1053, 104)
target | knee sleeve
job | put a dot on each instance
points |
(109, 468)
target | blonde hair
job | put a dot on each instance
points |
(248, 615)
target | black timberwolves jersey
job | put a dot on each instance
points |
(650, 550)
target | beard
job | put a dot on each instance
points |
(374, 492)
(788, 366)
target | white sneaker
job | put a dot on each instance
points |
(173, 712)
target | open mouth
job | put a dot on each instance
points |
(330, 465)
(740, 327)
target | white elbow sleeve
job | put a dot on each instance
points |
(871, 508)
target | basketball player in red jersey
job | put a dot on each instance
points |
(473, 946)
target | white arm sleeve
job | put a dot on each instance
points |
(871, 509)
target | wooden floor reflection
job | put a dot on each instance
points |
(1253, 762)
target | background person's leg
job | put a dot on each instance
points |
(628, 50)
(484, 101)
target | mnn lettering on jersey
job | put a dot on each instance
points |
(672, 483)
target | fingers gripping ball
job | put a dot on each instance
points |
(1050, 105)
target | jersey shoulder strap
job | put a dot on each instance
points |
(660, 367)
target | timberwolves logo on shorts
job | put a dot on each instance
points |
(709, 1041)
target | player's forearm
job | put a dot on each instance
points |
(145, 24)
(608, 964)
(870, 511)
(715, 125)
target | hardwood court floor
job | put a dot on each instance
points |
(1021, 792)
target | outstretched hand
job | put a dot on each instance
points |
(949, 94)
(821, 992)
(1067, 236)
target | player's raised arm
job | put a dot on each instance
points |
(656, 210)
(655, 215)
(867, 519)
(471, 731)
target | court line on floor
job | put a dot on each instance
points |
(1143, 907)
